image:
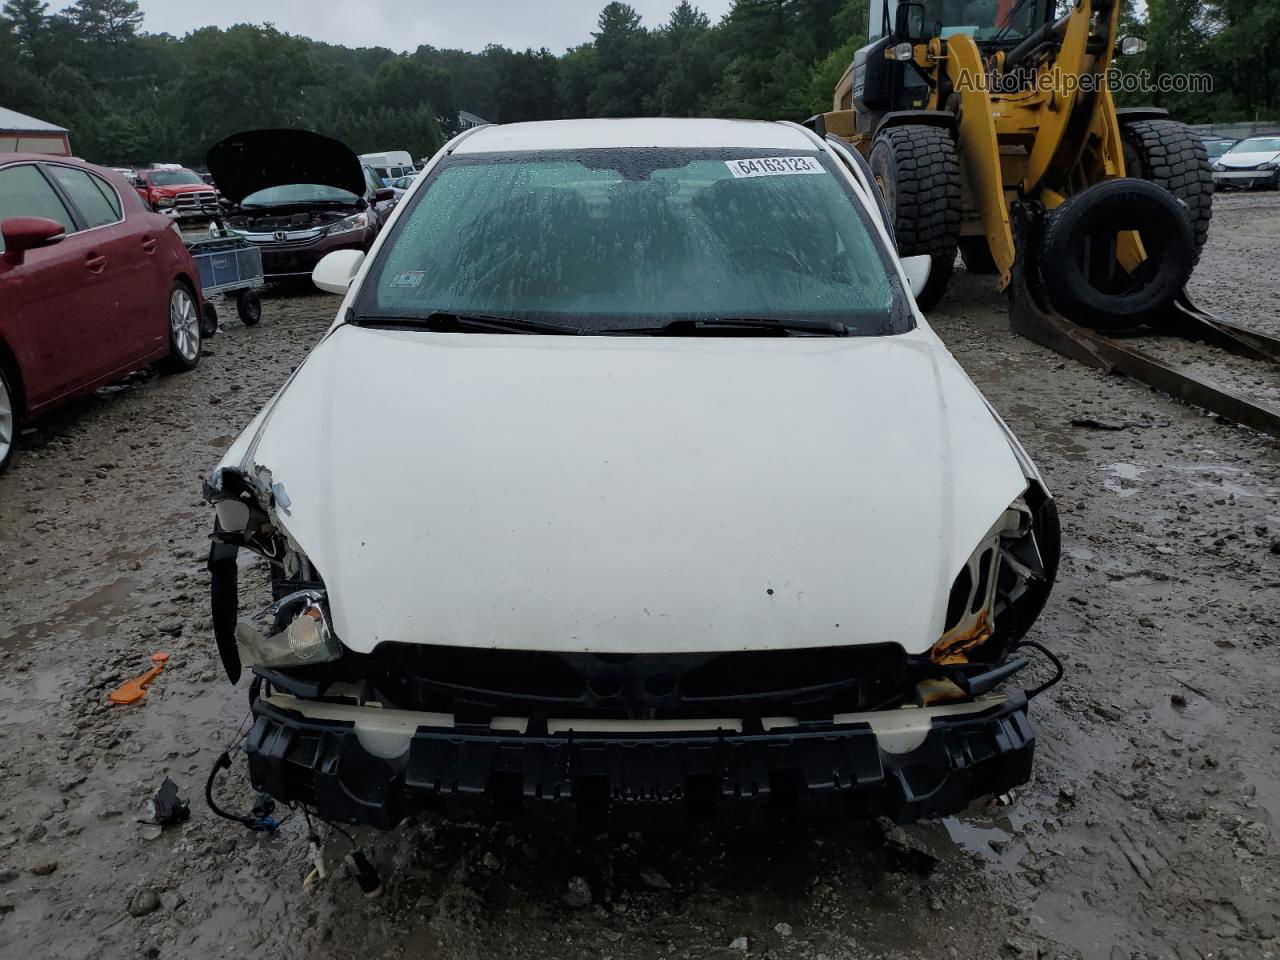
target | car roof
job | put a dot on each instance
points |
(42, 158)
(638, 133)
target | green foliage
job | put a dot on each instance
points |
(1235, 42)
(132, 97)
(529, 87)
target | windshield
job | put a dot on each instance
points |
(1257, 145)
(603, 240)
(982, 19)
(173, 178)
(299, 193)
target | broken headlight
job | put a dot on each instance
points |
(1000, 590)
(296, 629)
(292, 632)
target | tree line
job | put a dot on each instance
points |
(133, 97)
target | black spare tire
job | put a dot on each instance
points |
(1077, 263)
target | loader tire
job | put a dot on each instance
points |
(976, 254)
(1100, 295)
(919, 175)
(1169, 155)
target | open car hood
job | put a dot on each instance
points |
(254, 160)
(633, 494)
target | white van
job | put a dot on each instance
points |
(390, 165)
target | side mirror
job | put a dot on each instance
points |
(908, 22)
(336, 270)
(383, 194)
(917, 271)
(28, 233)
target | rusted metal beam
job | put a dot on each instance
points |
(1195, 324)
(1039, 323)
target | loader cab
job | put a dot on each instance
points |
(874, 85)
(995, 22)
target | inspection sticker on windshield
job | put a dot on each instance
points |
(410, 278)
(773, 166)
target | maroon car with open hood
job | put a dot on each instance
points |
(297, 196)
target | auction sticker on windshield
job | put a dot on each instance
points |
(773, 166)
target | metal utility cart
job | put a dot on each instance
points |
(230, 265)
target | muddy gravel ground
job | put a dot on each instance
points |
(1147, 831)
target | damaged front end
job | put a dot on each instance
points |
(295, 629)
(628, 741)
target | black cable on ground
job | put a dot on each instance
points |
(1057, 665)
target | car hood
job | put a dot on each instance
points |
(245, 163)
(619, 494)
(1247, 160)
(172, 190)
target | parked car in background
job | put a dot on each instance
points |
(128, 173)
(1216, 147)
(93, 285)
(400, 186)
(177, 193)
(1254, 162)
(390, 165)
(297, 195)
(631, 488)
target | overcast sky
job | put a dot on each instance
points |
(407, 24)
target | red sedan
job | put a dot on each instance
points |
(94, 286)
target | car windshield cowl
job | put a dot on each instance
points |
(280, 204)
(737, 326)
(441, 321)
(448, 321)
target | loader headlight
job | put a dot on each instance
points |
(902, 51)
(292, 632)
(358, 222)
(1131, 46)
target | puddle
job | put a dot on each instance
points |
(89, 615)
(124, 554)
(1124, 479)
(991, 837)
(1061, 440)
(26, 695)
(1225, 479)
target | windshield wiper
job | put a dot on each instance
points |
(446, 321)
(719, 326)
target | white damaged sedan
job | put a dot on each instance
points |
(630, 488)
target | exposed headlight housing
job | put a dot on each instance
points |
(299, 633)
(358, 222)
(1218, 166)
(999, 591)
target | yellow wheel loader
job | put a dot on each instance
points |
(991, 130)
